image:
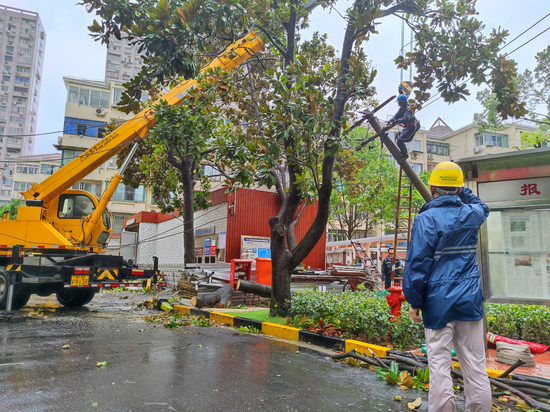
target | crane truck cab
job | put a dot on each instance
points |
(71, 210)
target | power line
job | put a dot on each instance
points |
(523, 32)
(528, 41)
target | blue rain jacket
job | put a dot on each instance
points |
(441, 274)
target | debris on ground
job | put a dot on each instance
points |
(66, 346)
(100, 364)
(177, 320)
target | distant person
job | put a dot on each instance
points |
(406, 119)
(387, 267)
(442, 280)
(83, 207)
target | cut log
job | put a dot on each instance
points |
(253, 287)
(221, 295)
(226, 293)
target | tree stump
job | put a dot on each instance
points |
(221, 296)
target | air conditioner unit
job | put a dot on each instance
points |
(100, 112)
(10, 42)
(24, 93)
(430, 157)
(33, 25)
(59, 139)
(477, 149)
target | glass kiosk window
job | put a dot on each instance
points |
(518, 246)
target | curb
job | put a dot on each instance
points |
(328, 342)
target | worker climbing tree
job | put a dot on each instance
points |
(406, 119)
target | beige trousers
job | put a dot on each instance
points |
(469, 342)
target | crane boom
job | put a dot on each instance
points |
(135, 128)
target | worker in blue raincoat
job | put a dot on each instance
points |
(442, 280)
(405, 118)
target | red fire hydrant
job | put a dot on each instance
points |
(394, 299)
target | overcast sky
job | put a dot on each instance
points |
(70, 51)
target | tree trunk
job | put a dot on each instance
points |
(280, 268)
(253, 287)
(188, 181)
(221, 295)
(291, 237)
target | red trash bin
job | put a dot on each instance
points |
(263, 271)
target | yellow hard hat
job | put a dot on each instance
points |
(447, 174)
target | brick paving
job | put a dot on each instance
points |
(541, 368)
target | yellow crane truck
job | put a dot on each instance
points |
(56, 244)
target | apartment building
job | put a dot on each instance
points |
(22, 45)
(468, 141)
(123, 61)
(91, 106)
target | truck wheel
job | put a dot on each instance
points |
(88, 297)
(72, 297)
(20, 297)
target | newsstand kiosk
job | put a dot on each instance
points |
(514, 247)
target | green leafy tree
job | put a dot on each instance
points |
(535, 87)
(489, 119)
(309, 109)
(11, 208)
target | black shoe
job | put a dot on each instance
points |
(403, 158)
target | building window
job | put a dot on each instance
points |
(5, 88)
(438, 148)
(27, 169)
(117, 96)
(415, 145)
(431, 167)
(21, 69)
(94, 188)
(491, 139)
(3, 108)
(417, 167)
(9, 48)
(6, 78)
(126, 77)
(82, 127)
(117, 222)
(21, 186)
(22, 79)
(113, 57)
(20, 89)
(8, 58)
(24, 40)
(16, 129)
(25, 50)
(208, 170)
(88, 97)
(14, 140)
(128, 193)
(67, 155)
(48, 169)
(17, 119)
(7, 181)
(113, 66)
(6, 192)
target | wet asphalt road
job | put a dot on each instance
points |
(186, 369)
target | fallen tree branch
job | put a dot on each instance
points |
(378, 359)
(512, 368)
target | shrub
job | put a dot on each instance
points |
(363, 314)
(525, 322)
(366, 316)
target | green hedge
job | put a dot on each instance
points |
(365, 316)
(525, 322)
